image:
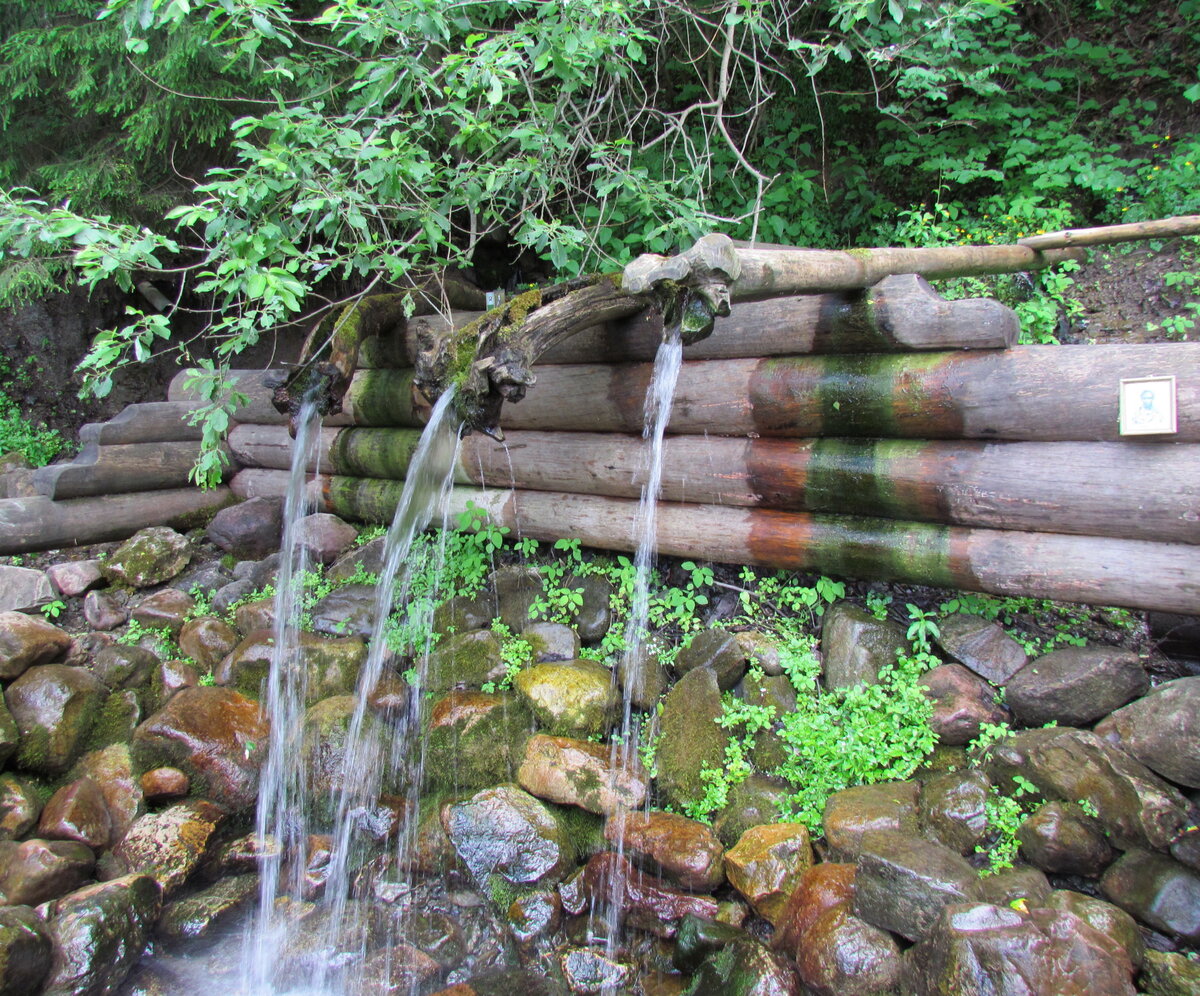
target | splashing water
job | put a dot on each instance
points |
(657, 410)
(367, 761)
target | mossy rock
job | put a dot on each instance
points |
(466, 660)
(151, 556)
(691, 739)
(570, 698)
(475, 739)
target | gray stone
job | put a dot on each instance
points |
(981, 646)
(250, 529)
(1162, 730)
(1075, 685)
(551, 641)
(757, 800)
(149, 557)
(1157, 890)
(855, 646)
(904, 882)
(369, 556)
(205, 580)
(227, 594)
(594, 617)
(642, 676)
(23, 589)
(516, 590)
(120, 666)
(716, 649)
(346, 611)
(324, 536)
(26, 641)
(105, 610)
(74, 577)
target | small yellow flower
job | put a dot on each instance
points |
(1125, 209)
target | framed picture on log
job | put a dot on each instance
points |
(1147, 406)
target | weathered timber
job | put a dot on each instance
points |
(1045, 393)
(119, 469)
(1100, 571)
(1135, 490)
(900, 314)
(151, 422)
(42, 524)
(1161, 228)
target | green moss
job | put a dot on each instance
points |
(111, 724)
(584, 830)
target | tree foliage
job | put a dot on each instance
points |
(306, 151)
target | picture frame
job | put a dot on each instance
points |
(1147, 406)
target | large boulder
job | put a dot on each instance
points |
(77, 811)
(35, 871)
(765, 865)
(1075, 685)
(169, 844)
(854, 812)
(1061, 838)
(855, 646)
(1157, 890)
(843, 955)
(331, 665)
(112, 769)
(55, 708)
(684, 851)
(25, 951)
(1162, 730)
(26, 641)
(475, 739)
(215, 735)
(149, 557)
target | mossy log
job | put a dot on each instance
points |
(1134, 573)
(40, 523)
(1135, 490)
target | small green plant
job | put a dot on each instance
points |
(1005, 814)
(877, 604)
(52, 610)
(208, 680)
(515, 652)
(922, 628)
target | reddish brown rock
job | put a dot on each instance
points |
(168, 845)
(249, 530)
(104, 610)
(74, 577)
(845, 956)
(112, 769)
(26, 641)
(164, 783)
(77, 811)
(174, 675)
(164, 609)
(214, 735)
(389, 697)
(820, 888)
(55, 708)
(1061, 838)
(685, 851)
(325, 536)
(853, 812)
(254, 616)
(207, 641)
(962, 703)
(580, 773)
(766, 864)
(35, 871)
(646, 901)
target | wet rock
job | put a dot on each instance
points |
(1061, 838)
(205, 580)
(25, 951)
(842, 955)
(853, 812)
(324, 537)
(105, 610)
(765, 865)
(346, 611)
(325, 744)
(962, 703)
(199, 914)
(72, 578)
(551, 641)
(368, 556)
(755, 801)
(684, 851)
(502, 982)
(1157, 890)
(460, 614)
(819, 889)
(266, 571)
(647, 902)
(250, 529)
(1162, 730)
(402, 968)
(99, 934)
(1186, 848)
(593, 619)
(588, 971)
(507, 832)
(1110, 920)
(151, 556)
(745, 968)
(579, 773)
(642, 676)
(77, 811)
(120, 666)
(980, 948)
(255, 616)
(570, 698)
(1021, 883)
(691, 738)
(981, 646)
(761, 650)
(952, 809)
(35, 871)
(214, 735)
(856, 646)
(332, 665)
(903, 882)
(168, 845)
(1169, 974)
(535, 915)
(161, 784)
(26, 641)
(466, 660)
(1075, 685)
(716, 649)
(1134, 805)
(112, 770)
(207, 641)
(10, 736)
(169, 678)
(23, 589)
(391, 697)
(19, 807)
(516, 590)
(166, 609)
(224, 597)
(55, 708)
(475, 739)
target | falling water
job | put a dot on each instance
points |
(283, 814)
(282, 805)
(659, 396)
